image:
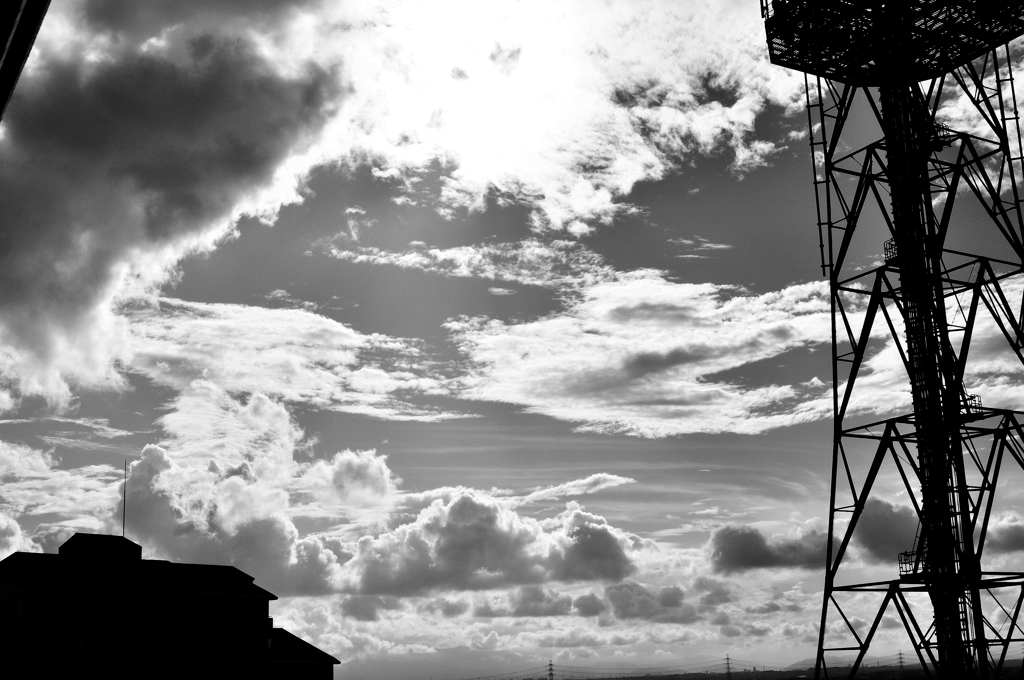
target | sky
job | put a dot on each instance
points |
(482, 334)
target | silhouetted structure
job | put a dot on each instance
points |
(19, 23)
(905, 60)
(97, 609)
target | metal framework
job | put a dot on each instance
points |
(19, 23)
(898, 64)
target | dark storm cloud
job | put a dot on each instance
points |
(1005, 537)
(106, 160)
(740, 548)
(631, 600)
(590, 604)
(885, 530)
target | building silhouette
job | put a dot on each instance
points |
(97, 609)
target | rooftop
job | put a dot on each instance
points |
(113, 563)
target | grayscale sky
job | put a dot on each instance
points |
(482, 333)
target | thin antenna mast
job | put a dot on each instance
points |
(124, 512)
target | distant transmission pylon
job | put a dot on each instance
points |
(892, 66)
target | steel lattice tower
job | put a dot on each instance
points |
(904, 62)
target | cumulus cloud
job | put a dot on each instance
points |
(116, 165)
(49, 537)
(223, 518)
(12, 539)
(590, 604)
(352, 477)
(632, 600)
(473, 542)
(885, 530)
(713, 592)
(735, 548)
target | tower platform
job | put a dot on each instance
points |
(852, 40)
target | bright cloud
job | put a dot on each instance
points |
(291, 354)
(555, 104)
(563, 265)
(33, 484)
(638, 355)
(552, 105)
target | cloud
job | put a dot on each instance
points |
(594, 550)
(713, 592)
(625, 95)
(352, 477)
(537, 601)
(741, 548)
(641, 355)
(12, 539)
(1005, 534)
(139, 133)
(366, 607)
(885, 530)
(218, 518)
(590, 604)
(255, 437)
(118, 164)
(591, 484)
(140, 21)
(35, 485)
(48, 537)
(290, 354)
(447, 607)
(693, 247)
(473, 542)
(564, 265)
(631, 600)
